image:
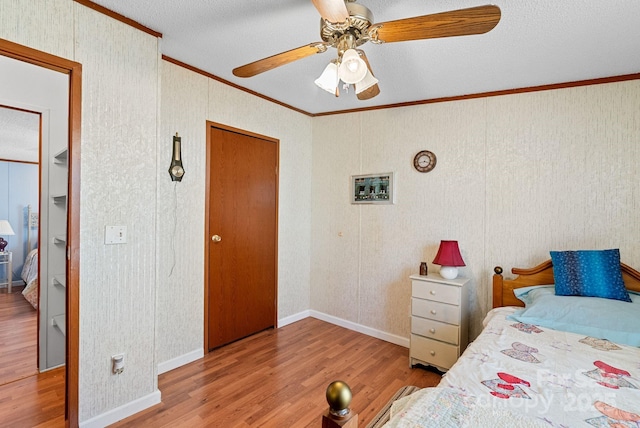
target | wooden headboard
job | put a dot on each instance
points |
(542, 275)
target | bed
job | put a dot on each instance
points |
(30, 276)
(29, 272)
(558, 361)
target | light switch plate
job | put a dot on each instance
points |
(115, 235)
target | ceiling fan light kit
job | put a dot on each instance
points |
(328, 80)
(352, 68)
(346, 26)
(366, 83)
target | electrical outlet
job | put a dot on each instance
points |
(117, 363)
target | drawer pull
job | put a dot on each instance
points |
(432, 330)
(433, 353)
(433, 312)
(432, 292)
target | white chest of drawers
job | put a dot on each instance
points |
(439, 320)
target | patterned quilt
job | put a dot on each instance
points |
(30, 276)
(520, 375)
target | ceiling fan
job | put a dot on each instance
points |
(346, 25)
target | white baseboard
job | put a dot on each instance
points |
(13, 284)
(293, 318)
(387, 337)
(152, 399)
(174, 363)
(124, 411)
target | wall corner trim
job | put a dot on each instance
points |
(382, 335)
(293, 318)
(181, 360)
(378, 334)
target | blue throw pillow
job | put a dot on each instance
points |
(591, 273)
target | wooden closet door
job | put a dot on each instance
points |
(243, 214)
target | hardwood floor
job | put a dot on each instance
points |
(27, 399)
(35, 401)
(18, 336)
(278, 378)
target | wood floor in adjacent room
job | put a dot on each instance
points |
(278, 378)
(18, 336)
(27, 399)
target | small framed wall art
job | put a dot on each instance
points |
(373, 188)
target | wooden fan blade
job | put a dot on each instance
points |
(274, 61)
(463, 22)
(332, 10)
(372, 91)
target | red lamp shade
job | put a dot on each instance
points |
(448, 254)
(449, 259)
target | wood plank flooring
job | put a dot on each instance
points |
(27, 399)
(278, 378)
(35, 401)
(18, 336)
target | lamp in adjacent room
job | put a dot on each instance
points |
(5, 229)
(449, 258)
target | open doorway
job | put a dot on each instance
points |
(72, 72)
(19, 209)
(45, 93)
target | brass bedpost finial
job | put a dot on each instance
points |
(339, 415)
(497, 270)
(339, 397)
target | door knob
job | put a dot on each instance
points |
(216, 238)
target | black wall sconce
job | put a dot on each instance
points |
(176, 170)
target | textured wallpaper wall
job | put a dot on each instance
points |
(120, 84)
(517, 176)
(118, 187)
(241, 110)
(180, 316)
(145, 298)
(46, 26)
(188, 101)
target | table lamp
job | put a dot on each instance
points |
(5, 229)
(449, 259)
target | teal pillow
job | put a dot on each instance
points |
(591, 273)
(600, 318)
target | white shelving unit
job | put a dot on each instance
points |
(59, 199)
(59, 321)
(61, 158)
(59, 280)
(53, 254)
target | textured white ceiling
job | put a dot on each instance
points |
(19, 135)
(537, 42)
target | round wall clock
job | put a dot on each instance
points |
(424, 161)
